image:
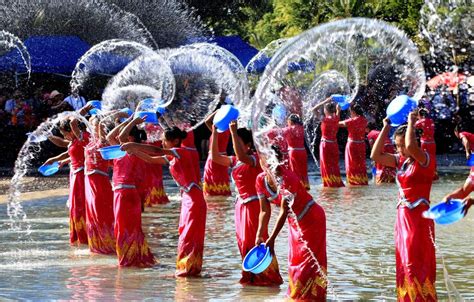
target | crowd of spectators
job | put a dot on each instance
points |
(22, 112)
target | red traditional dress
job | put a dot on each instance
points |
(153, 190)
(414, 235)
(329, 153)
(216, 177)
(277, 138)
(192, 220)
(470, 137)
(247, 212)
(383, 174)
(294, 136)
(356, 170)
(427, 138)
(99, 202)
(307, 278)
(188, 144)
(132, 247)
(77, 194)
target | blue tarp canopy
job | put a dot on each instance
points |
(241, 49)
(49, 54)
(59, 54)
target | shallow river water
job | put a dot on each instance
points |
(360, 245)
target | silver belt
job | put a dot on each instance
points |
(327, 140)
(296, 149)
(97, 172)
(123, 186)
(189, 148)
(412, 205)
(248, 199)
(189, 187)
(77, 170)
(428, 142)
(308, 205)
(355, 141)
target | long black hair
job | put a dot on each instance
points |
(65, 125)
(246, 136)
(138, 135)
(357, 109)
(175, 133)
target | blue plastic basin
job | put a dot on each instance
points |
(151, 116)
(399, 108)
(224, 116)
(97, 107)
(257, 259)
(341, 100)
(47, 170)
(112, 152)
(279, 114)
(470, 161)
(446, 212)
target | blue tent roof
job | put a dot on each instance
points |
(241, 49)
(49, 54)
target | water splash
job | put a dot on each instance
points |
(28, 152)
(171, 22)
(92, 20)
(377, 60)
(448, 27)
(450, 287)
(203, 73)
(326, 84)
(10, 42)
(105, 58)
(291, 198)
(148, 76)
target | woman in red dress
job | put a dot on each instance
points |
(427, 127)
(188, 144)
(329, 149)
(383, 174)
(192, 220)
(298, 158)
(307, 231)
(131, 245)
(216, 176)
(356, 169)
(74, 131)
(414, 235)
(153, 192)
(99, 195)
(245, 168)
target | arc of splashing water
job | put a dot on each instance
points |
(107, 46)
(320, 270)
(17, 216)
(12, 41)
(450, 287)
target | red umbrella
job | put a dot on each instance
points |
(449, 79)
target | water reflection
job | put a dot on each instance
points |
(361, 261)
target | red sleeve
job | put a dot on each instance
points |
(349, 122)
(259, 184)
(419, 124)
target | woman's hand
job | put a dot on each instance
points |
(270, 243)
(50, 161)
(233, 126)
(468, 202)
(387, 122)
(259, 240)
(413, 116)
(139, 120)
